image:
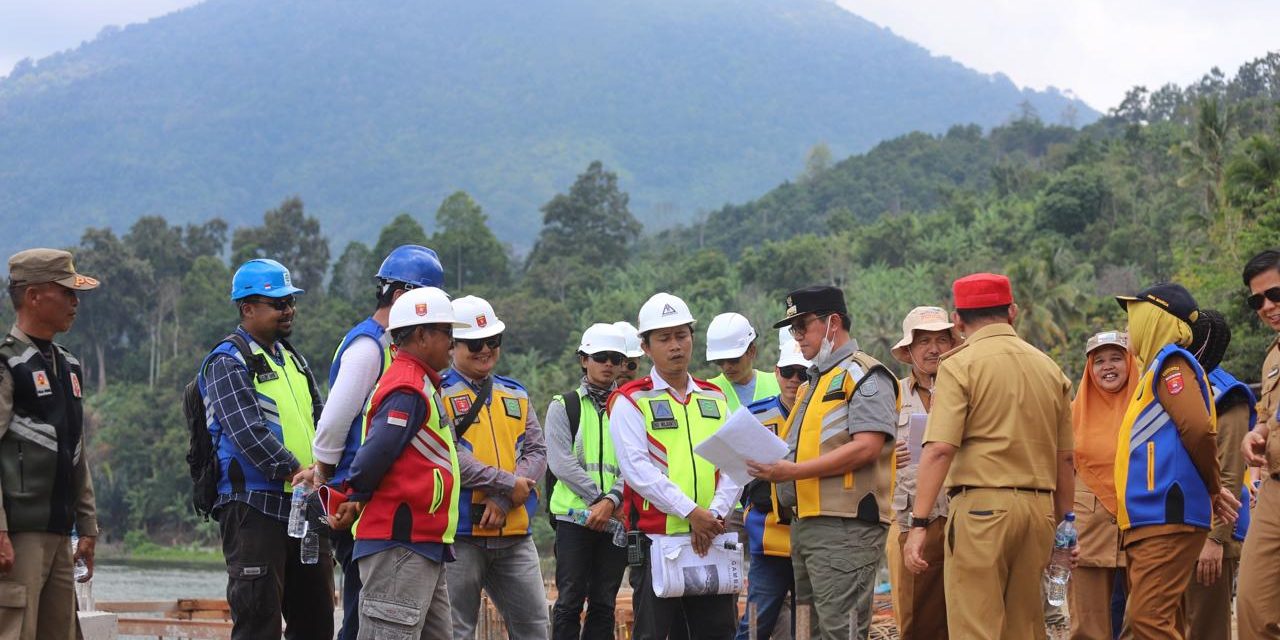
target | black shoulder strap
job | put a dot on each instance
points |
(574, 411)
(465, 422)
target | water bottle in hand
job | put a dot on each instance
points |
(298, 511)
(1059, 569)
(310, 553)
(81, 568)
(579, 516)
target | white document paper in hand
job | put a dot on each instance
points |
(741, 438)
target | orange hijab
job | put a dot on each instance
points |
(1095, 424)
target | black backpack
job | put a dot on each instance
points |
(574, 411)
(202, 447)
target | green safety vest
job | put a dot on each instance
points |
(766, 387)
(593, 449)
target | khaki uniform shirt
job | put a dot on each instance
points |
(904, 490)
(1100, 542)
(1233, 424)
(1267, 405)
(1006, 407)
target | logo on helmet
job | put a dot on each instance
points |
(482, 321)
(668, 310)
(420, 308)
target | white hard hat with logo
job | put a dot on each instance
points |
(424, 305)
(632, 338)
(663, 311)
(729, 336)
(602, 338)
(789, 350)
(481, 321)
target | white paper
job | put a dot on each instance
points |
(741, 438)
(676, 570)
(915, 435)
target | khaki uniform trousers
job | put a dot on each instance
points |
(1159, 572)
(1258, 602)
(919, 601)
(1209, 608)
(38, 597)
(998, 543)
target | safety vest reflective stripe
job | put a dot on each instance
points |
(594, 452)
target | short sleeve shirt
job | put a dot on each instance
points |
(1006, 407)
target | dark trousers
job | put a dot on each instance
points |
(588, 567)
(770, 580)
(707, 617)
(343, 546)
(266, 579)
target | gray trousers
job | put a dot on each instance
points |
(836, 561)
(512, 576)
(403, 596)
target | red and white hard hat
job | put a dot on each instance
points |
(424, 305)
(478, 317)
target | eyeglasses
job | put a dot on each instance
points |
(279, 304)
(478, 344)
(793, 371)
(800, 328)
(612, 357)
(1255, 300)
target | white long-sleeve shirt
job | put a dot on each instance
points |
(626, 425)
(361, 367)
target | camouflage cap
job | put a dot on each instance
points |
(38, 266)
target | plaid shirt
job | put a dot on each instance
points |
(235, 403)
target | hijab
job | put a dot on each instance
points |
(1096, 415)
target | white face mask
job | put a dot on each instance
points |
(828, 345)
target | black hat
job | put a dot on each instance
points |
(820, 299)
(1172, 297)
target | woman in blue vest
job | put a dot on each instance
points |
(1166, 473)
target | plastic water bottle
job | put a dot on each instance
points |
(81, 568)
(579, 516)
(298, 511)
(1059, 570)
(310, 553)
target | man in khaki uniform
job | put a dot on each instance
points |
(1259, 585)
(999, 433)
(45, 478)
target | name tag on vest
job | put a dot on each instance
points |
(663, 416)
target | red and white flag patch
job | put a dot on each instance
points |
(1173, 382)
(397, 418)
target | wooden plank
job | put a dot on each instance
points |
(174, 628)
(138, 606)
(203, 604)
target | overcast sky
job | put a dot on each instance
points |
(1096, 48)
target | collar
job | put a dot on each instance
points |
(274, 351)
(432, 374)
(660, 383)
(840, 354)
(17, 333)
(992, 330)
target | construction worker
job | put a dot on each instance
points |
(47, 488)
(999, 433)
(584, 481)
(362, 356)
(731, 346)
(261, 414)
(501, 457)
(770, 576)
(1109, 381)
(1258, 604)
(656, 422)
(836, 479)
(919, 602)
(633, 352)
(405, 475)
(1167, 478)
(1208, 598)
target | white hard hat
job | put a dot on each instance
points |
(478, 318)
(424, 305)
(662, 311)
(601, 337)
(728, 336)
(789, 350)
(631, 338)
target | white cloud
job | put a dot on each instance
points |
(1098, 49)
(38, 28)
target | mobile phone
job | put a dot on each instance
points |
(635, 553)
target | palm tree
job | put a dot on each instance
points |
(1253, 176)
(1205, 154)
(1050, 297)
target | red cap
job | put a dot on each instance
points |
(982, 290)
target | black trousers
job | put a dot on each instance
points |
(707, 617)
(266, 579)
(343, 547)
(588, 567)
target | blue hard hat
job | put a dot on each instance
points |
(412, 264)
(262, 277)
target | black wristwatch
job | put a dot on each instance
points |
(919, 522)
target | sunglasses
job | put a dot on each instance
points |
(793, 371)
(1255, 300)
(612, 357)
(279, 304)
(800, 328)
(478, 344)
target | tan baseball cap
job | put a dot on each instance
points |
(922, 319)
(1107, 338)
(38, 266)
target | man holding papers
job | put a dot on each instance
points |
(836, 479)
(655, 422)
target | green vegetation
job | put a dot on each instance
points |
(1180, 184)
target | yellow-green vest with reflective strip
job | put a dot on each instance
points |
(593, 450)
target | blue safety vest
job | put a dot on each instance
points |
(368, 328)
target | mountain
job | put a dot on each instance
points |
(372, 108)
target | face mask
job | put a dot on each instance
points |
(827, 346)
